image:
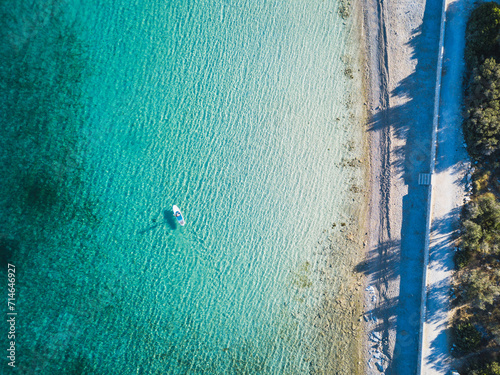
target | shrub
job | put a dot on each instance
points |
(488, 212)
(462, 258)
(481, 183)
(490, 369)
(467, 337)
(481, 229)
(482, 118)
(473, 235)
(482, 287)
(483, 29)
(493, 368)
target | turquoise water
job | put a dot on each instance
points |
(246, 115)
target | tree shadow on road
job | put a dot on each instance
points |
(407, 122)
(440, 362)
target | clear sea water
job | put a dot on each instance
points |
(245, 114)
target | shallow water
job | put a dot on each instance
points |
(247, 116)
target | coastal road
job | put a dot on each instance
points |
(448, 193)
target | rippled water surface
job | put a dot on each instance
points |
(246, 115)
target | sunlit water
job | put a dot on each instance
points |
(247, 116)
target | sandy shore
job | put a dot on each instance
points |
(402, 39)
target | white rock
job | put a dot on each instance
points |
(370, 363)
(375, 336)
(370, 288)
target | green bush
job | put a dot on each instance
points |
(462, 258)
(488, 214)
(493, 369)
(482, 34)
(473, 234)
(467, 337)
(482, 287)
(482, 117)
(482, 51)
(481, 229)
(490, 369)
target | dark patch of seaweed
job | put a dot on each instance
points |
(8, 248)
(48, 215)
(41, 109)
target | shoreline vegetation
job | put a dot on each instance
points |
(476, 320)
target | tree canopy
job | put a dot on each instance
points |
(483, 34)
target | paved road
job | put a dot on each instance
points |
(448, 194)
